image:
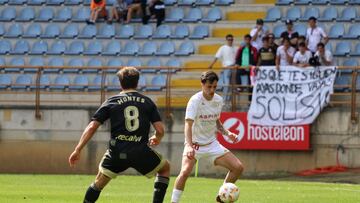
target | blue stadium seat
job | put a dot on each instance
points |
(110, 2)
(162, 32)
(131, 48)
(70, 31)
(16, 62)
(213, 15)
(94, 62)
(114, 84)
(17, 2)
(142, 82)
(186, 2)
(93, 48)
(320, 2)
(204, 2)
(88, 32)
(61, 83)
(5, 81)
(342, 82)
(353, 32)
(39, 48)
(14, 31)
(33, 31)
(57, 48)
(284, 2)
(166, 48)
(278, 29)
(354, 2)
(73, 65)
(328, 46)
(8, 14)
(86, 2)
(95, 85)
(338, 2)
(55, 2)
(223, 2)
(200, 32)
(134, 62)
(34, 61)
(45, 15)
(144, 32)
(310, 12)
(125, 32)
(63, 15)
(148, 49)
(22, 82)
(21, 47)
(2, 62)
(356, 51)
(151, 66)
(113, 48)
(75, 48)
(273, 14)
(329, 14)
(194, 15)
(348, 14)
(51, 31)
(175, 15)
(170, 2)
(181, 32)
(36, 2)
(186, 48)
(44, 82)
(82, 15)
(114, 63)
(157, 83)
(2, 30)
(80, 83)
(5, 47)
(351, 62)
(26, 14)
(72, 2)
(174, 64)
(337, 31)
(3, 2)
(302, 2)
(54, 62)
(106, 32)
(301, 29)
(342, 49)
(294, 13)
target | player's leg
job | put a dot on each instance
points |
(161, 183)
(186, 167)
(94, 190)
(233, 164)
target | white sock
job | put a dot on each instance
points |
(176, 195)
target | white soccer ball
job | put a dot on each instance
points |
(229, 193)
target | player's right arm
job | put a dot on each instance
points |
(158, 135)
(85, 137)
(189, 149)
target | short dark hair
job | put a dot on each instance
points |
(128, 77)
(247, 36)
(210, 76)
(320, 44)
(229, 35)
(286, 39)
(302, 44)
(266, 38)
(302, 37)
(312, 18)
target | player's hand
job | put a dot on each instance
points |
(154, 141)
(74, 157)
(190, 152)
(233, 137)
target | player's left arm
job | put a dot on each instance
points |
(85, 137)
(225, 132)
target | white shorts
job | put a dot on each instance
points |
(211, 151)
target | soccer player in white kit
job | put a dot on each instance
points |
(201, 126)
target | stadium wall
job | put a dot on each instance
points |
(28, 145)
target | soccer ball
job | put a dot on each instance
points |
(229, 193)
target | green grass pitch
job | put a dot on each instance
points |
(137, 189)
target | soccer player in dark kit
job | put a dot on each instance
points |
(130, 114)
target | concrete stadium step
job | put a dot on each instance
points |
(237, 32)
(177, 101)
(209, 49)
(185, 83)
(201, 65)
(245, 15)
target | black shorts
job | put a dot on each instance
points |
(146, 161)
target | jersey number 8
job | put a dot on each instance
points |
(131, 115)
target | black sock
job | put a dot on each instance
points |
(160, 186)
(92, 194)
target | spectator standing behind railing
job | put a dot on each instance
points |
(302, 57)
(98, 9)
(226, 53)
(267, 54)
(284, 54)
(118, 11)
(325, 56)
(258, 33)
(315, 35)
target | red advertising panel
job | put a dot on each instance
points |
(263, 137)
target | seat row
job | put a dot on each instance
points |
(82, 14)
(79, 83)
(113, 48)
(105, 31)
(74, 65)
(348, 14)
(317, 2)
(111, 2)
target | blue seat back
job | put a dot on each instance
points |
(182, 31)
(8, 14)
(64, 14)
(343, 48)
(5, 46)
(26, 14)
(52, 31)
(154, 62)
(40, 47)
(34, 30)
(21, 47)
(163, 31)
(293, 13)
(15, 30)
(113, 46)
(126, 31)
(58, 46)
(46, 14)
(134, 62)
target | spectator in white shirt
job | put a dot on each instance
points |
(315, 35)
(284, 54)
(302, 57)
(257, 34)
(226, 54)
(325, 56)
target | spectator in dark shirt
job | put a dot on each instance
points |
(290, 33)
(267, 54)
(272, 43)
(157, 11)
